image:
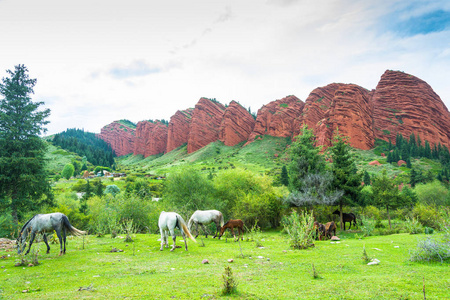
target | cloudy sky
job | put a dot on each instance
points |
(97, 61)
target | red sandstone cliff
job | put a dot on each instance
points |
(277, 118)
(346, 107)
(119, 136)
(237, 124)
(151, 138)
(178, 132)
(401, 103)
(205, 124)
(406, 104)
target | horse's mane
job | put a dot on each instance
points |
(26, 224)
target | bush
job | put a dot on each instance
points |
(367, 226)
(431, 249)
(413, 226)
(433, 193)
(300, 229)
(427, 215)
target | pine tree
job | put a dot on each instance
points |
(284, 177)
(345, 173)
(366, 178)
(23, 178)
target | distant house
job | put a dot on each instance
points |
(119, 175)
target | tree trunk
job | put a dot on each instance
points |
(389, 217)
(340, 217)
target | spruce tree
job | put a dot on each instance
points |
(345, 173)
(24, 184)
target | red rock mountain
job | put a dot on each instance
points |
(205, 124)
(405, 104)
(277, 118)
(237, 124)
(151, 138)
(178, 132)
(401, 103)
(120, 136)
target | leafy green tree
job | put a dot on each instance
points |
(386, 194)
(188, 190)
(24, 183)
(68, 171)
(345, 173)
(99, 187)
(112, 189)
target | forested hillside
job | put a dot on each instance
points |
(97, 151)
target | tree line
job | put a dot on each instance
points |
(96, 150)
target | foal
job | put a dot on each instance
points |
(231, 224)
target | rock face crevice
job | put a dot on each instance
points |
(400, 103)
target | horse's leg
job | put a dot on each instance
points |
(196, 229)
(232, 232)
(44, 236)
(64, 239)
(204, 229)
(33, 234)
(58, 233)
(163, 239)
(217, 230)
(174, 237)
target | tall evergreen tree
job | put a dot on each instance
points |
(366, 178)
(24, 185)
(284, 177)
(309, 182)
(345, 173)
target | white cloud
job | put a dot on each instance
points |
(99, 61)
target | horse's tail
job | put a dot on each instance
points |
(184, 228)
(191, 220)
(70, 228)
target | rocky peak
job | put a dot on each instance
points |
(178, 131)
(120, 135)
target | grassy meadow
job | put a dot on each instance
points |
(275, 271)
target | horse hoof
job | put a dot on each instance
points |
(172, 249)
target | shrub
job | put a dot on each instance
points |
(367, 226)
(300, 229)
(431, 249)
(112, 189)
(7, 226)
(427, 215)
(229, 282)
(432, 193)
(413, 226)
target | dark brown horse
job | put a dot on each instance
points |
(350, 217)
(330, 227)
(232, 224)
(320, 230)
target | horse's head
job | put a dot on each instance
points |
(222, 230)
(336, 212)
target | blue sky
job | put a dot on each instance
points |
(100, 61)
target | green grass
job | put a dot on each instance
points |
(57, 158)
(152, 274)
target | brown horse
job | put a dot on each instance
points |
(350, 217)
(232, 224)
(330, 227)
(320, 230)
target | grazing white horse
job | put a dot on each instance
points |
(47, 223)
(205, 217)
(167, 222)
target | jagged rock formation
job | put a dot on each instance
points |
(120, 136)
(277, 118)
(178, 132)
(205, 124)
(151, 138)
(406, 104)
(237, 124)
(401, 103)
